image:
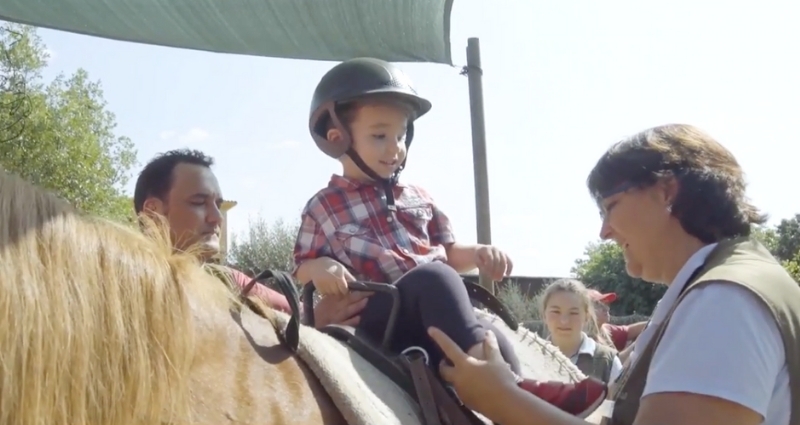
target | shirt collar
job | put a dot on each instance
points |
(670, 297)
(588, 345)
(348, 183)
(679, 282)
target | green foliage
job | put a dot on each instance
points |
(60, 136)
(787, 244)
(523, 308)
(793, 266)
(264, 246)
(603, 268)
(767, 236)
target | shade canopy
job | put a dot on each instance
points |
(393, 30)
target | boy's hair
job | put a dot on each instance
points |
(577, 287)
(346, 111)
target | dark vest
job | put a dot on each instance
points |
(598, 364)
(740, 262)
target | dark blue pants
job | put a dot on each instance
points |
(432, 294)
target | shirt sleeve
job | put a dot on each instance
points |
(311, 241)
(273, 298)
(616, 369)
(726, 344)
(619, 335)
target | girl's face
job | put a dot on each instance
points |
(565, 315)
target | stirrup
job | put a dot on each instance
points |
(414, 348)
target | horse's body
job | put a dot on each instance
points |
(104, 325)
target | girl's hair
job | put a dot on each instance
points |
(576, 287)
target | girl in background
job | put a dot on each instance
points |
(569, 316)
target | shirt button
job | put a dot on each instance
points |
(389, 219)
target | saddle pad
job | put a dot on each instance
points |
(363, 394)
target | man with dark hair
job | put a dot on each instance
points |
(180, 186)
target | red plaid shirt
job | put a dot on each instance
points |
(349, 222)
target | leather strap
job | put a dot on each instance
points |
(286, 285)
(479, 293)
(453, 413)
(422, 384)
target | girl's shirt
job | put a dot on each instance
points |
(597, 360)
(350, 222)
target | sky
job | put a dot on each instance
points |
(562, 82)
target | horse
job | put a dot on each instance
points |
(105, 323)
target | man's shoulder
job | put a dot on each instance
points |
(238, 276)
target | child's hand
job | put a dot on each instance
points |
(493, 262)
(331, 277)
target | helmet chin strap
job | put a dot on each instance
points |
(386, 184)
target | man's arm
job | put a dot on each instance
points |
(273, 298)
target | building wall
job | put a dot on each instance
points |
(223, 237)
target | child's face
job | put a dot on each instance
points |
(378, 132)
(565, 315)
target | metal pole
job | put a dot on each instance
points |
(475, 78)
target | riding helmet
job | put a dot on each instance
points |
(351, 80)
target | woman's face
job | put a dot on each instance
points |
(601, 312)
(565, 315)
(637, 220)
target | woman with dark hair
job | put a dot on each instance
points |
(723, 345)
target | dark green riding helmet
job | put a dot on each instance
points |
(352, 80)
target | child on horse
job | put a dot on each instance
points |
(366, 225)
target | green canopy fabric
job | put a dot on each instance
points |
(393, 30)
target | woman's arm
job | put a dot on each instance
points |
(517, 407)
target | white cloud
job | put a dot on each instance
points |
(192, 137)
(284, 144)
(167, 134)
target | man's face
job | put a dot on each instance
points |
(192, 208)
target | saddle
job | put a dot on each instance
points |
(408, 369)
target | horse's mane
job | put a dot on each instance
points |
(97, 321)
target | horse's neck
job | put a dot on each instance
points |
(244, 375)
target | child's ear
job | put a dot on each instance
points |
(334, 135)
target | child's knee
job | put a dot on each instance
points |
(436, 274)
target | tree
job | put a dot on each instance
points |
(264, 246)
(60, 136)
(603, 268)
(787, 240)
(767, 236)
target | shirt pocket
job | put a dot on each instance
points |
(356, 238)
(416, 219)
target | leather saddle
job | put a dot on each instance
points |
(408, 369)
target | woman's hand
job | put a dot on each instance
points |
(479, 383)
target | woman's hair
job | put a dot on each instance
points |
(576, 287)
(711, 204)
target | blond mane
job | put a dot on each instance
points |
(97, 326)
